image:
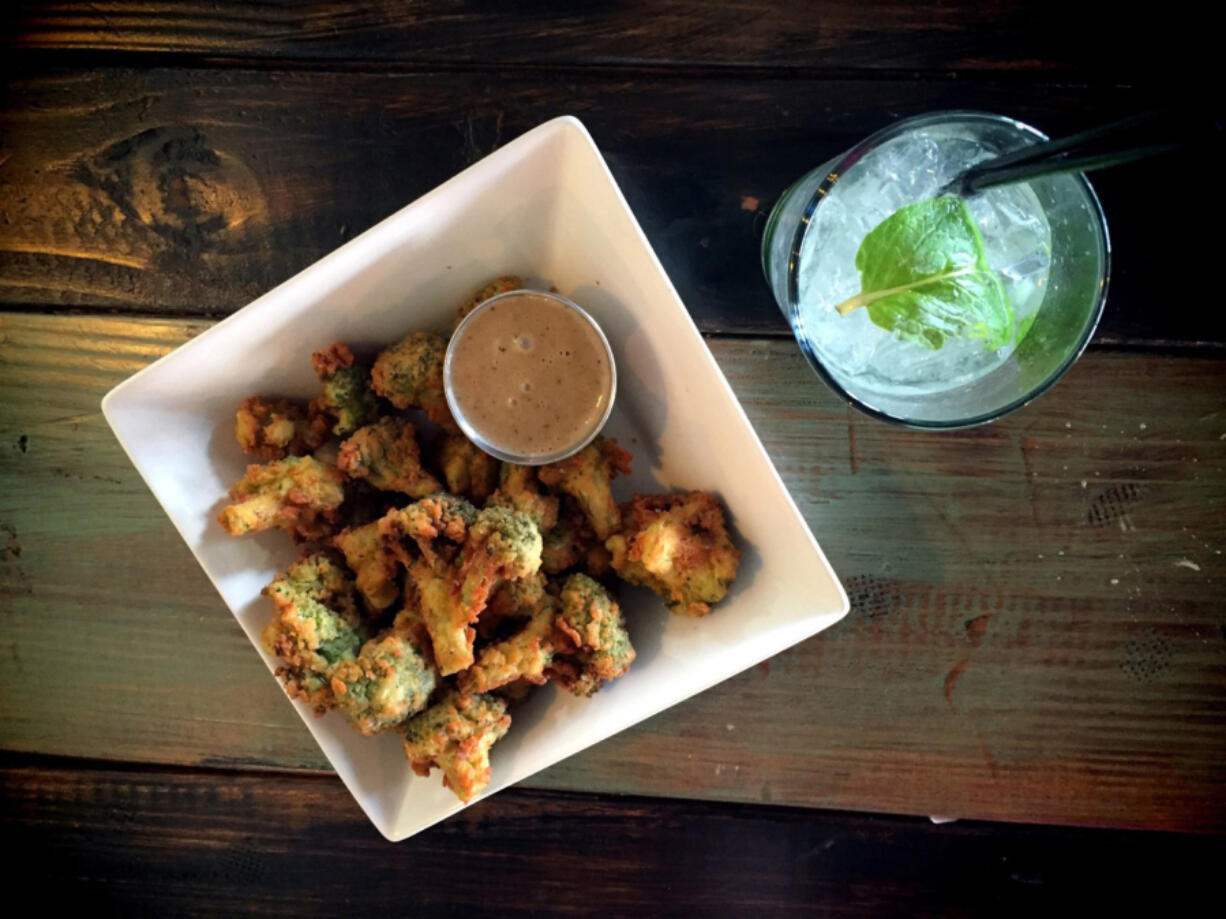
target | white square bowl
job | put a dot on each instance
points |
(543, 206)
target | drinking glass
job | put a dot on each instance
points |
(1072, 291)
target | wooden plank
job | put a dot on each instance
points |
(1037, 630)
(146, 842)
(997, 35)
(194, 191)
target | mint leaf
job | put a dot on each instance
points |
(924, 276)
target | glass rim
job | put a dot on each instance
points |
(497, 452)
(847, 160)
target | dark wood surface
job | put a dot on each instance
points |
(189, 191)
(973, 36)
(186, 843)
(1037, 631)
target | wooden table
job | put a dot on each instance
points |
(1037, 633)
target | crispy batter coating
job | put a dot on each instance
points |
(511, 604)
(678, 546)
(455, 734)
(409, 374)
(455, 557)
(515, 692)
(469, 470)
(346, 398)
(502, 545)
(591, 641)
(570, 542)
(587, 478)
(433, 528)
(495, 287)
(524, 655)
(519, 490)
(390, 680)
(446, 618)
(372, 562)
(386, 455)
(314, 628)
(273, 429)
(298, 495)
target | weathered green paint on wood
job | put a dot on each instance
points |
(1037, 631)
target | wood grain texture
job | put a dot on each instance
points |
(989, 35)
(1037, 630)
(144, 842)
(191, 192)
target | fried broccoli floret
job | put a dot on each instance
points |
(372, 562)
(455, 734)
(445, 617)
(495, 287)
(511, 602)
(299, 495)
(572, 543)
(468, 469)
(677, 546)
(502, 544)
(314, 628)
(390, 680)
(591, 641)
(586, 477)
(427, 537)
(273, 429)
(409, 374)
(386, 455)
(519, 490)
(524, 655)
(433, 528)
(455, 560)
(346, 398)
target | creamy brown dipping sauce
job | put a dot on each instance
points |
(530, 375)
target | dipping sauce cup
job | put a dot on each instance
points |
(530, 377)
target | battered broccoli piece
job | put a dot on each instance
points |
(455, 734)
(571, 543)
(502, 544)
(273, 429)
(458, 561)
(409, 374)
(519, 490)
(298, 495)
(372, 562)
(592, 644)
(468, 469)
(495, 287)
(521, 597)
(677, 546)
(390, 680)
(433, 528)
(427, 537)
(446, 619)
(586, 477)
(346, 397)
(386, 455)
(314, 628)
(524, 655)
